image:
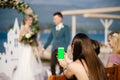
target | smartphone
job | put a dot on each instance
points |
(61, 53)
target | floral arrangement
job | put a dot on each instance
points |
(30, 37)
(115, 34)
(20, 6)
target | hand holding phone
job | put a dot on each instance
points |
(61, 53)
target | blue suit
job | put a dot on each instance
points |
(60, 39)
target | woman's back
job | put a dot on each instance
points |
(86, 64)
(79, 69)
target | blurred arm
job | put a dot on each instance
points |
(48, 40)
(67, 37)
(22, 33)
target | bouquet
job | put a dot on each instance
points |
(30, 37)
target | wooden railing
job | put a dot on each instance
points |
(113, 73)
(58, 77)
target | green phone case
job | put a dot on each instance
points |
(60, 53)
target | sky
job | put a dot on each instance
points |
(45, 9)
(72, 5)
(74, 2)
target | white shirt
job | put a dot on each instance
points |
(59, 27)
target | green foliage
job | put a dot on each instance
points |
(20, 6)
(30, 37)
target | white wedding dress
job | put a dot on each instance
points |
(29, 65)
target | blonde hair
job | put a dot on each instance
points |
(115, 38)
(25, 18)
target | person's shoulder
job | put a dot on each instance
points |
(75, 65)
(113, 55)
(22, 28)
(77, 69)
(65, 25)
(71, 65)
(52, 27)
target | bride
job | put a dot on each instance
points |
(29, 66)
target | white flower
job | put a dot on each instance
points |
(31, 33)
(35, 17)
(28, 11)
(28, 35)
(115, 35)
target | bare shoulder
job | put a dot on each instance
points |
(78, 70)
(75, 66)
(22, 28)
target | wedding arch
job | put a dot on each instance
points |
(20, 6)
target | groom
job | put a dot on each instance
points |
(60, 35)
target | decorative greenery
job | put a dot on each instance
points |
(20, 6)
(30, 37)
